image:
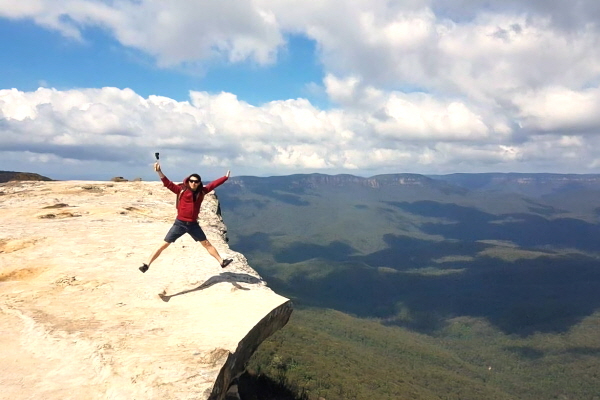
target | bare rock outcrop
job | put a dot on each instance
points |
(7, 176)
(78, 320)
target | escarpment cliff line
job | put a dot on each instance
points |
(79, 320)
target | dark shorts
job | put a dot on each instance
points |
(180, 228)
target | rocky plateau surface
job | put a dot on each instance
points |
(78, 320)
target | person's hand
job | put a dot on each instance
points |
(157, 167)
(228, 173)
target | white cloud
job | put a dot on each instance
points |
(414, 116)
(421, 117)
(177, 31)
(558, 109)
(109, 126)
(453, 48)
(425, 85)
(563, 14)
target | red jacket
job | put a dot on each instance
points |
(187, 208)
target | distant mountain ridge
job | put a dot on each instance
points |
(341, 179)
(7, 176)
(531, 184)
(316, 180)
(526, 183)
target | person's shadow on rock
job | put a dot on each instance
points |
(231, 277)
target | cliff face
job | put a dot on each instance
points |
(78, 320)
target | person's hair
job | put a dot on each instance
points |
(196, 176)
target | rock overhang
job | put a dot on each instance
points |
(81, 321)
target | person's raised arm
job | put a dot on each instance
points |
(217, 182)
(166, 182)
(158, 170)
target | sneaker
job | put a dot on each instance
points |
(226, 262)
(144, 268)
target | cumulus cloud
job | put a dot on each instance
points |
(420, 85)
(451, 46)
(175, 32)
(559, 110)
(564, 15)
(416, 116)
(400, 133)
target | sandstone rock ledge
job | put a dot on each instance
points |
(78, 320)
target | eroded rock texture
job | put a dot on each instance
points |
(78, 320)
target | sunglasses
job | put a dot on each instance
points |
(193, 181)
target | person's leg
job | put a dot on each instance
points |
(176, 231)
(213, 252)
(198, 235)
(155, 255)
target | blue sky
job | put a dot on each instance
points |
(90, 89)
(37, 57)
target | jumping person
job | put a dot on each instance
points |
(189, 198)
